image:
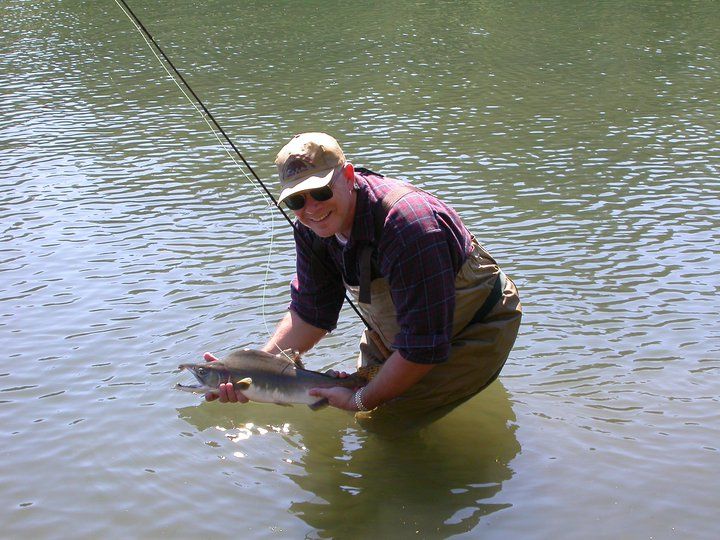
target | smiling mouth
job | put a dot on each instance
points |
(322, 218)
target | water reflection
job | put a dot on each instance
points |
(437, 482)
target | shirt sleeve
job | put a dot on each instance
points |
(316, 291)
(422, 282)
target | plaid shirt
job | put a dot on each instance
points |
(423, 245)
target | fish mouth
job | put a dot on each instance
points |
(194, 388)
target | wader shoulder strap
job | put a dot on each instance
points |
(386, 204)
(365, 171)
(492, 299)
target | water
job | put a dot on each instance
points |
(579, 142)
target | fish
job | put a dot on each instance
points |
(266, 378)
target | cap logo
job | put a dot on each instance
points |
(296, 165)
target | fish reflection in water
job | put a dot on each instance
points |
(433, 481)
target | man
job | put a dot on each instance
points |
(443, 316)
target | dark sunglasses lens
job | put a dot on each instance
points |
(295, 202)
(322, 194)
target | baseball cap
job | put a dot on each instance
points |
(307, 162)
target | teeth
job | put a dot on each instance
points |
(321, 218)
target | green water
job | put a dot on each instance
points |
(578, 140)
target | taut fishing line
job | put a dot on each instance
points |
(267, 272)
(203, 113)
(146, 36)
(224, 141)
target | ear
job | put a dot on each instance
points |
(349, 171)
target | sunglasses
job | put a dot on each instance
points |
(297, 201)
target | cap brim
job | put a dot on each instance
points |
(314, 181)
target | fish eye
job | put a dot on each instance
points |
(202, 370)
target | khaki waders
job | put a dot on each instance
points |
(478, 349)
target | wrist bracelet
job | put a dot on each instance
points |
(358, 400)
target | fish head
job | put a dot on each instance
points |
(209, 376)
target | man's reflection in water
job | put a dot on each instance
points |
(430, 482)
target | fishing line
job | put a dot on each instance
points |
(139, 27)
(267, 273)
(205, 113)
(215, 128)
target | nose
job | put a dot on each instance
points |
(311, 205)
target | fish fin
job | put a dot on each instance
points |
(293, 355)
(319, 404)
(243, 384)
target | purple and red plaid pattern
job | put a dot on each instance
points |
(423, 245)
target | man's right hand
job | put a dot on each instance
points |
(228, 394)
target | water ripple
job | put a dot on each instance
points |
(585, 158)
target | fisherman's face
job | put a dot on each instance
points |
(335, 215)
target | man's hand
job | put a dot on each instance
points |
(336, 374)
(338, 396)
(228, 394)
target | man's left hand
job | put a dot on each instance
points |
(338, 396)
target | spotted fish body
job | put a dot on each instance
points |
(266, 378)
